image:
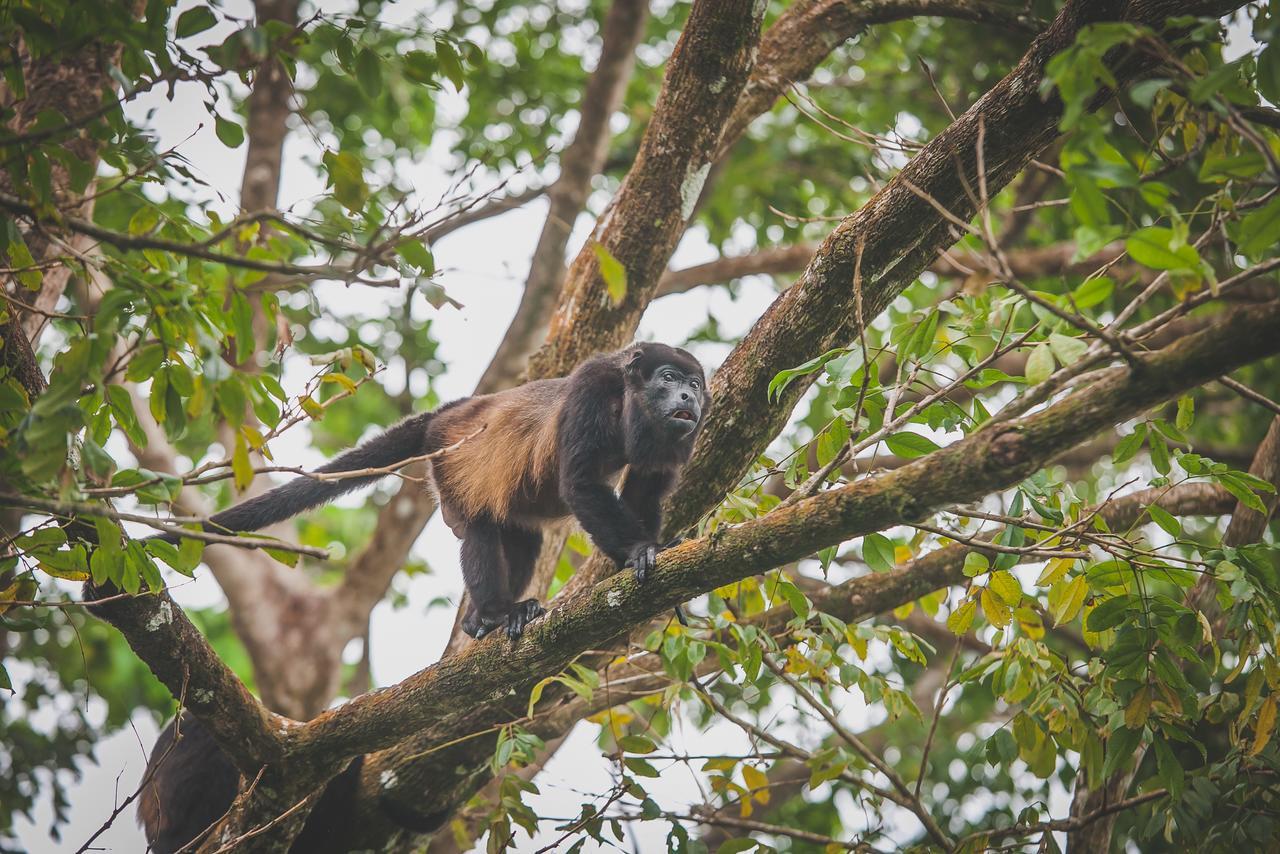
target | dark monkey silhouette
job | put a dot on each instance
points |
(516, 461)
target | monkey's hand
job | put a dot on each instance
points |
(642, 559)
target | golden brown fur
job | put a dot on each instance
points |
(508, 470)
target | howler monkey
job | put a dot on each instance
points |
(526, 457)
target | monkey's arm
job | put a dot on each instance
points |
(589, 439)
(643, 493)
(394, 445)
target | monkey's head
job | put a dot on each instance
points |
(670, 385)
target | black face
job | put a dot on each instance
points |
(674, 397)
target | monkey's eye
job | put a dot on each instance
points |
(667, 376)
(694, 384)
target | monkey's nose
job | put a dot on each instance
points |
(684, 395)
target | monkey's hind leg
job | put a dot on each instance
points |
(489, 578)
(520, 547)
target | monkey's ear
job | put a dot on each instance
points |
(631, 361)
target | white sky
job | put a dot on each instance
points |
(484, 267)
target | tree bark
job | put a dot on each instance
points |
(892, 238)
(642, 224)
(581, 161)
(992, 458)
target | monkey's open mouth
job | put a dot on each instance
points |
(683, 415)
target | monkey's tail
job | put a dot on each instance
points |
(404, 441)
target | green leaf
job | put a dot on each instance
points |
(1213, 82)
(369, 72)
(636, 744)
(417, 254)
(346, 176)
(877, 551)
(736, 846)
(1129, 445)
(96, 459)
(975, 564)
(1039, 364)
(1068, 350)
(1159, 453)
(450, 63)
(612, 271)
(640, 767)
(1242, 492)
(194, 21)
(1269, 73)
(910, 445)
(1259, 231)
(284, 556)
(144, 363)
(784, 377)
(1165, 520)
(231, 134)
(144, 219)
(1154, 247)
(1111, 613)
(1186, 412)
(1092, 292)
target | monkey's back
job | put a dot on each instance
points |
(509, 471)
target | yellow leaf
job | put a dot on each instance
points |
(1265, 726)
(998, 613)
(612, 271)
(1055, 570)
(962, 618)
(1069, 600)
(901, 554)
(1006, 586)
(1030, 623)
(1135, 715)
(757, 783)
(241, 468)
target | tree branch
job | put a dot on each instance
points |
(809, 30)
(643, 223)
(897, 235)
(988, 460)
(581, 161)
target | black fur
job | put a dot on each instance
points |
(640, 408)
(194, 783)
(396, 444)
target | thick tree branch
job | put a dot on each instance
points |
(581, 161)
(991, 459)
(809, 30)
(180, 657)
(893, 237)
(644, 221)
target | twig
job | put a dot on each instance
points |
(860, 747)
(71, 509)
(1248, 393)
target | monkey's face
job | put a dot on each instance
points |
(673, 397)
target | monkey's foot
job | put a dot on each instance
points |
(522, 614)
